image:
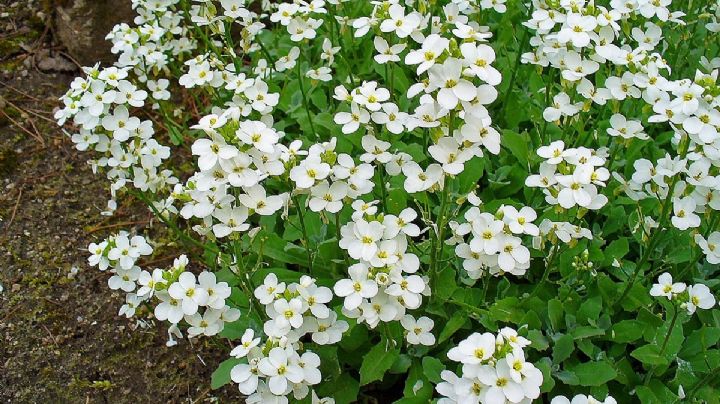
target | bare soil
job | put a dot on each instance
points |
(61, 340)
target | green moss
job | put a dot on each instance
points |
(8, 161)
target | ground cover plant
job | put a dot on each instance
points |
(460, 201)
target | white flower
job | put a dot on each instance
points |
(132, 301)
(684, 216)
(620, 126)
(409, 289)
(401, 223)
(561, 107)
(124, 279)
(351, 121)
(391, 117)
(328, 197)
(217, 291)
(474, 349)
(280, 371)
(309, 363)
(288, 61)
(576, 30)
(433, 46)
(322, 73)
(247, 342)
(699, 296)
(327, 331)
(246, 376)
(207, 324)
(710, 247)
(387, 53)
(266, 292)
(189, 293)
(501, 384)
(231, 220)
(512, 254)
(169, 309)
(328, 51)
(576, 190)
(148, 282)
(357, 288)
(520, 222)
(403, 25)
(256, 199)
(453, 88)
(478, 59)
(120, 123)
(665, 287)
(448, 152)
(209, 151)
(553, 153)
(257, 134)
(288, 313)
(418, 331)
(361, 243)
(309, 171)
(315, 298)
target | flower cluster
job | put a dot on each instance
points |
(384, 283)
(495, 243)
(494, 370)
(577, 38)
(280, 365)
(691, 298)
(180, 294)
(100, 105)
(571, 177)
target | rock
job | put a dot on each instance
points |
(49, 62)
(81, 25)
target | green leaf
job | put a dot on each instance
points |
(221, 375)
(468, 179)
(518, 145)
(344, 389)
(555, 313)
(590, 309)
(282, 251)
(378, 361)
(397, 201)
(700, 340)
(432, 367)
(417, 388)
(456, 322)
(649, 355)
(563, 348)
(627, 331)
(507, 310)
(283, 275)
(616, 250)
(538, 340)
(594, 373)
(655, 393)
(545, 366)
(446, 284)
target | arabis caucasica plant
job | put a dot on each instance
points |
(457, 201)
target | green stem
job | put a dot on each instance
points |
(304, 98)
(699, 255)
(173, 226)
(515, 69)
(664, 344)
(548, 269)
(306, 240)
(654, 239)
